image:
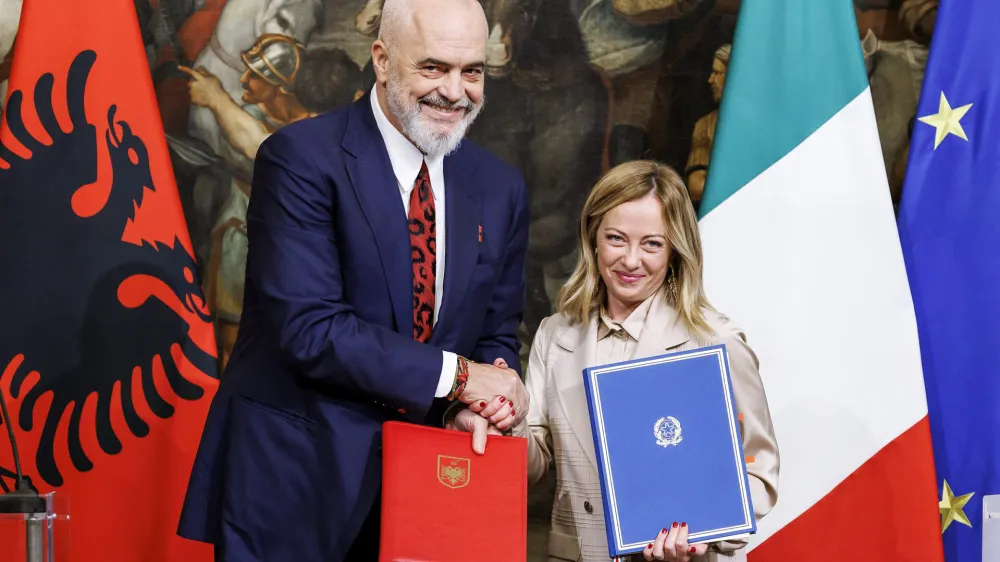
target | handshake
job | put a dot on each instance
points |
(493, 401)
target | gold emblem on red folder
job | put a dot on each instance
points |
(453, 472)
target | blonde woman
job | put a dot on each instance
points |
(636, 292)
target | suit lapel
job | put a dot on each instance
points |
(462, 214)
(581, 341)
(378, 194)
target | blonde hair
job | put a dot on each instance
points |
(585, 292)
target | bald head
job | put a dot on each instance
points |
(429, 60)
(397, 17)
(402, 19)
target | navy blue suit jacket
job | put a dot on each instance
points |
(289, 463)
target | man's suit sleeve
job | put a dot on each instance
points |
(293, 268)
(498, 338)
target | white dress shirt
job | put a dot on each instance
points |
(406, 160)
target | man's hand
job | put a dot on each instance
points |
(471, 422)
(496, 383)
(498, 411)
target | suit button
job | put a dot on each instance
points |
(589, 508)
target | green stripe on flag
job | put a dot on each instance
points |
(794, 64)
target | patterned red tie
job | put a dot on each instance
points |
(423, 248)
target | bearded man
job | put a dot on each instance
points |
(384, 279)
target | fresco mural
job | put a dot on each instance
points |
(574, 86)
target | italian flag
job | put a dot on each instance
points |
(801, 250)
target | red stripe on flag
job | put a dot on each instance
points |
(885, 510)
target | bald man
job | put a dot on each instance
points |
(384, 279)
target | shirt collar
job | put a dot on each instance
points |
(404, 156)
(633, 323)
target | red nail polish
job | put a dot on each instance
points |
(664, 531)
(675, 524)
(684, 524)
(650, 546)
(502, 399)
(512, 412)
(692, 550)
(482, 404)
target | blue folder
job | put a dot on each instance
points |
(669, 448)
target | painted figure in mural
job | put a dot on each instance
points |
(704, 130)
(384, 281)
(271, 66)
(268, 82)
(240, 25)
(626, 40)
(918, 17)
(369, 18)
(283, 83)
(548, 117)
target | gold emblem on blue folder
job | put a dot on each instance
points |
(667, 431)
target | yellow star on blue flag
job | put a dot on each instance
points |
(947, 121)
(951, 507)
(951, 245)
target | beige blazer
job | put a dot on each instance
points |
(558, 426)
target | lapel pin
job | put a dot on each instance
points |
(480, 233)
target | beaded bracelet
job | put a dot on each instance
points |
(461, 377)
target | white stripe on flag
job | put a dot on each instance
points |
(806, 258)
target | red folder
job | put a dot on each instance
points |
(441, 502)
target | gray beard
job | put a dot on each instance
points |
(418, 128)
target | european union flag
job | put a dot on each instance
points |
(950, 228)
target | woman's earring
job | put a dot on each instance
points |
(672, 283)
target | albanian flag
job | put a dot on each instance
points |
(107, 351)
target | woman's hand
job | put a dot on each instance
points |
(498, 411)
(672, 544)
(472, 418)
